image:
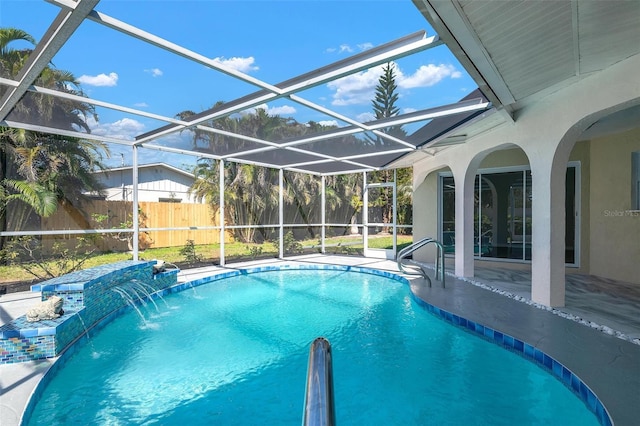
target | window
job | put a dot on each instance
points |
(502, 214)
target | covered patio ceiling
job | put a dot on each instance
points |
(350, 146)
(518, 52)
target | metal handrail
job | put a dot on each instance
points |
(318, 406)
(439, 263)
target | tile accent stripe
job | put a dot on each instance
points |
(548, 363)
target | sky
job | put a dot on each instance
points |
(270, 40)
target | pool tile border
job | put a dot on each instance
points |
(548, 363)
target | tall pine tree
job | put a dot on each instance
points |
(384, 102)
(384, 106)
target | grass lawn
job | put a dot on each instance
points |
(209, 254)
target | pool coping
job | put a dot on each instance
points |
(616, 393)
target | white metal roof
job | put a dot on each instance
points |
(516, 51)
(347, 148)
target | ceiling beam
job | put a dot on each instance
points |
(404, 46)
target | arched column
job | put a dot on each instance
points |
(548, 237)
(464, 174)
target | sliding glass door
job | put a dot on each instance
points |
(503, 202)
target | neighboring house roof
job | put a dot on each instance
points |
(156, 182)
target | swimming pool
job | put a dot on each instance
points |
(235, 352)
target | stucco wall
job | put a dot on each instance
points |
(615, 229)
(426, 196)
(505, 158)
(425, 214)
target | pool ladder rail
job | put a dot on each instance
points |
(319, 409)
(419, 270)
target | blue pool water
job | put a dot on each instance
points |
(235, 352)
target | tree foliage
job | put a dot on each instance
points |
(251, 191)
(384, 106)
(38, 169)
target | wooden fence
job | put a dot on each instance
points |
(99, 214)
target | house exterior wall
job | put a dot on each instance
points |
(609, 230)
(154, 184)
(426, 200)
(425, 215)
(615, 228)
(547, 129)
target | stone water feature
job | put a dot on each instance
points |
(89, 296)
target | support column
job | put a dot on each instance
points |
(365, 214)
(464, 177)
(134, 214)
(548, 232)
(281, 214)
(221, 209)
(323, 214)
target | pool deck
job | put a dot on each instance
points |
(608, 363)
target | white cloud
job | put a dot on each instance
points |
(426, 76)
(99, 80)
(155, 72)
(328, 123)
(408, 110)
(359, 88)
(125, 128)
(238, 64)
(356, 88)
(279, 110)
(345, 48)
(365, 116)
(141, 105)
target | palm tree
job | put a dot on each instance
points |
(38, 171)
(11, 60)
(301, 195)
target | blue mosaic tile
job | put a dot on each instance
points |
(556, 368)
(488, 332)
(575, 383)
(31, 332)
(529, 351)
(90, 292)
(566, 376)
(518, 345)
